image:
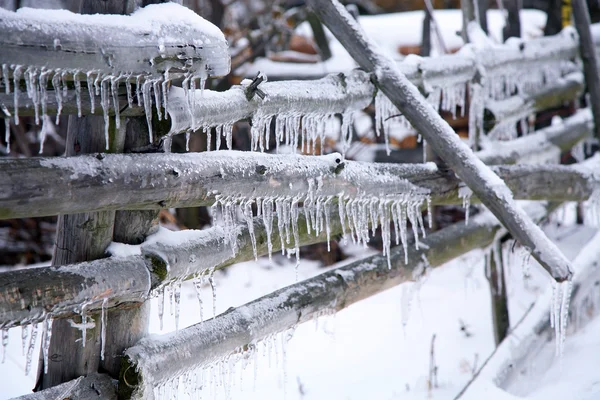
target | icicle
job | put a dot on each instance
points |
(561, 295)
(43, 132)
(43, 87)
(161, 306)
(157, 97)
(7, 134)
(58, 93)
(213, 288)
(103, 322)
(187, 140)
(5, 78)
(104, 102)
(77, 84)
(17, 73)
(46, 337)
(165, 91)
(197, 281)
(148, 107)
(31, 348)
(464, 192)
(177, 296)
(31, 82)
(4, 344)
(24, 335)
(114, 90)
(267, 214)
(429, 213)
(90, 86)
(129, 91)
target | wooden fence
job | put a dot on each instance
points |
(300, 199)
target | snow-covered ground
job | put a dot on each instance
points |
(373, 349)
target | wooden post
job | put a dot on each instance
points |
(497, 281)
(587, 50)
(482, 7)
(468, 15)
(426, 34)
(553, 20)
(513, 29)
(80, 237)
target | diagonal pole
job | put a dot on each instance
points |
(587, 50)
(492, 190)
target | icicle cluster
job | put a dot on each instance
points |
(103, 90)
(559, 313)
(359, 215)
(221, 376)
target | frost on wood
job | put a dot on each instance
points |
(153, 45)
(301, 110)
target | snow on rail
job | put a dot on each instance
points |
(145, 49)
(302, 109)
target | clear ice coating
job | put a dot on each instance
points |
(559, 313)
(217, 378)
(358, 216)
(46, 337)
(4, 344)
(31, 347)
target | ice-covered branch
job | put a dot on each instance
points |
(163, 360)
(490, 189)
(52, 186)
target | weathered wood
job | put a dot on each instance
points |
(587, 50)
(482, 7)
(498, 296)
(443, 140)
(513, 28)
(144, 44)
(158, 360)
(92, 386)
(28, 295)
(80, 237)
(50, 186)
(468, 15)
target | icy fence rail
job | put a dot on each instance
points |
(227, 342)
(33, 295)
(516, 66)
(500, 71)
(147, 49)
(32, 187)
